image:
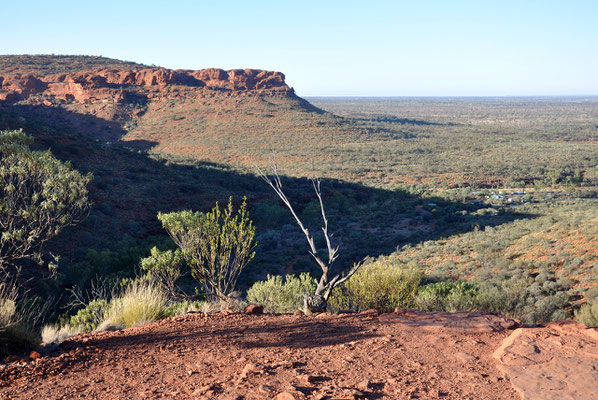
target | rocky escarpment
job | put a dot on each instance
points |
(112, 85)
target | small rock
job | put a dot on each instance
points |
(254, 309)
(266, 389)
(285, 396)
(11, 359)
(465, 357)
(251, 368)
(364, 385)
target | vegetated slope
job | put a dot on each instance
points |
(161, 140)
(43, 65)
(548, 264)
(75, 114)
(130, 186)
(246, 117)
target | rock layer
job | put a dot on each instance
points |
(557, 362)
(112, 85)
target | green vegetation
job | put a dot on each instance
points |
(18, 318)
(492, 203)
(281, 295)
(90, 317)
(39, 197)
(383, 284)
(588, 314)
(57, 64)
(217, 245)
(164, 268)
(447, 296)
(140, 302)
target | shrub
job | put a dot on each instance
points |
(39, 196)
(87, 319)
(216, 245)
(164, 267)
(588, 315)
(447, 296)
(382, 284)
(141, 302)
(279, 295)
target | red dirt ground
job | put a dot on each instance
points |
(239, 356)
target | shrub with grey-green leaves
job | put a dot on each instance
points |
(39, 197)
(588, 315)
(90, 317)
(216, 245)
(281, 295)
(165, 268)
(383, 284)
(447, 296)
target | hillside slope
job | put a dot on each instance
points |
(164, 140)
(244, 117)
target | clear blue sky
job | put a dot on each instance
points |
(384, 48)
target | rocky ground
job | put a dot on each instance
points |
(405, 355)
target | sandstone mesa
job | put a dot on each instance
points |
(112, 85)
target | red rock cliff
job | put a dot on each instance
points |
(111, 85)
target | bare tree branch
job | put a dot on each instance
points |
(318, 301)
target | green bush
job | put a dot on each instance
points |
(89, 318)
(164, 268)
(382, 284)
(279, 295)
(447, 296)
(588, 315)
(39, 197)
(216, 245)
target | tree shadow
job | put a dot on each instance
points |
(307, 334)
(391, 119)
(131, 185)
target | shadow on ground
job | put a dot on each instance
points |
(131, 185)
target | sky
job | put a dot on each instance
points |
(334, 48)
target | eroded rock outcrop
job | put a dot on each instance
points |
(556, 362)
(111, 85)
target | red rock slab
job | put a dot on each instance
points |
(557, 362)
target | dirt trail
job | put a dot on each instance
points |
(237, 356)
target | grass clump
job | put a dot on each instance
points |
(281, 295)
(588, 315)
(139, 303)
(383, 284)
(18, 316)
(55, 334)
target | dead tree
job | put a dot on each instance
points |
(317, 302)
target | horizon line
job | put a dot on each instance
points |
(454, 95)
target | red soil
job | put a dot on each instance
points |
(239, 356)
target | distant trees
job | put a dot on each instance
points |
(216, 245)
(39, 197)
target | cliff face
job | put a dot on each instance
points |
(112, 85)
